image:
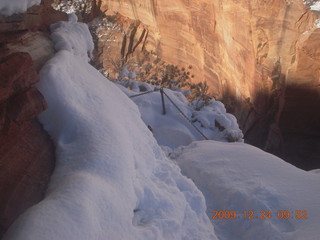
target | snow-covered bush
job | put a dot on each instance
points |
(214, 116)
(169, 76)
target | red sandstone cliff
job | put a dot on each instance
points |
(26, 151)
(261, 58)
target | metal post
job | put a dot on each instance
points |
(204, 136)
(162, 100)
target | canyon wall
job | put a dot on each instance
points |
(261, 58)
(26, 151)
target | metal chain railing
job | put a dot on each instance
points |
(140, 94)
(163, 93)
(198, 130)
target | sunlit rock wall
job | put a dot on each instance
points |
(252, 53)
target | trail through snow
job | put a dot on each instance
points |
(111, 180)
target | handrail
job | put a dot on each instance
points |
(163, 93)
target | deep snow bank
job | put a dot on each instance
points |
(239, 177)
(112, 180)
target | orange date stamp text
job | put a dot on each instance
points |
(253, 214)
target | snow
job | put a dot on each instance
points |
(315, 6)
(172, 129)
(239, 177)
(72, 37)
(9, 7)
(67, 6)
(111, 180)
(317, 23)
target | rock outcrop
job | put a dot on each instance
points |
(258, 57)
(26, 150)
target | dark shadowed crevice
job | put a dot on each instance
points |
(300, 127)
(285, 123)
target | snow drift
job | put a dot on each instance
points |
(112, 180)
(239, 177)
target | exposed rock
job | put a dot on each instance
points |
(128, 42)
(37, 18)
(247, 51)
(37, 44)
(17, 74)
(26, 106)
(29, 32)
(26, 165)
(26, 150)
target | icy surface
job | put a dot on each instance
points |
(9, 7)
(112, 180)
(239, 177)
(172, 129)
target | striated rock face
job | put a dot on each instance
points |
(257, 56)
(26, 151)
(29, 32)
(17, 74)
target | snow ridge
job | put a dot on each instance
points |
(112, 180)
(239, 177)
